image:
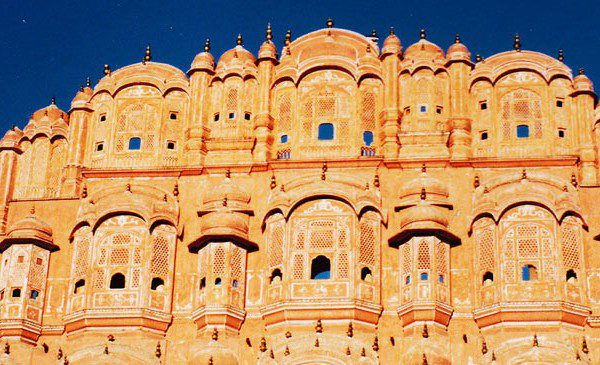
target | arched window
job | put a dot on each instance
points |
(218, 281)
(424, 276)
(529, 273)
(407, 280)
(368, 138)
(441, 279)
(34, 294)
(276, 276)
(16, 293)
(284, 138)
(202, 283)
(365, 274)
(320, 268)
(488, 278)
(135, 143)
(235, 283)
(523, 131)
(79, 286)
(571, 276)
(117, 281)
(326, 132)
(157, 284)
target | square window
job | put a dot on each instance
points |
(484, 136)
(423, 109)
(170, 145)
(173, 116)
(325, 132)
(247, 116)
(559, 103)
(216, 118)
(39, 261)
(135, 143)
(20, 259)
(483, 105)
(16, 293)
(99, 147)
(438, 110)
(284, 138)
(561, 133)
(103, 118)
(231, 115)
(523, 131)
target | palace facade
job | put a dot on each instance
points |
(330, 202)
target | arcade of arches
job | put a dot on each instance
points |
(340, 200)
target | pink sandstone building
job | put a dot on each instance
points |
(330, 202)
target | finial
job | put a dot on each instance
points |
(457, 38)
(158, 352)
(176, 189)
(288, 334)
(224, 204)
(128, 188)
(425, 332)
(561, 56)
(88, 82)
(423, 35)
(319, 326)
(423, 168)
(106, 70)
(106, 349)
(375, 344)
(282, 188)
(263, 345)
(423, 195)
(66, 361)
(210, 360)
(376, 181)
(269, 33)
(288, 37)
(524, 174)
(165, 198)
(84, 192)
(228, 173)
(476, 182)
(45, 347)
(110, 338)
(7, 348)
(478, 58)
(323, 170)
(425, 360)
(273, 182)
(368, 48)
(565, 188)
(287, 351)
(348, 352)
(363, 352)
(484, 348)
(32, 210)
(239, 41)
(374, 33)
(329, 23)
(391, 30)
(517, 44)
(271, 354)
(207, 45)
(493, 356)
(248, 342)
(535, 340)
(81, 88)
(580, 71)
(147, 56)
(53, 100)
(317, 342)
(215, 334)
(59, 354)
(350, 331)
(584, 347)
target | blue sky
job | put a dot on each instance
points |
(49, 47)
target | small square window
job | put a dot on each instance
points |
(407, 111)
(170, 145)
(173, 116)
(99, 147)
(247, 116)
(284, 138)
(39, 261)
(484, 136)
(483, 105)
(16, 293)
(216, 118)
(561, 133)
(559, 103)
(523, 131)
(231, 115)
(423, 108)
(103, 118)
(34, 294)
(438, 110)
(135, 143)
(20, 259)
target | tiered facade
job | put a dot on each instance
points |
(336, 203)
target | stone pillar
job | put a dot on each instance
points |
(263, 122)
(460, 123)
(79, 118)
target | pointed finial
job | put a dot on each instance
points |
(84, 192)
(7, 348)
(81, 88)
(158, 351)
(348, 352)
(207, 45)
(478, 58)
(423, 195)
(423, 35)
(32, 210)
(374, 33)
(59, 354)
(584, 347)
(319, 326)
(210, 360)
(363, 352)
(215, 334)
(535, 340)
(561, 55)
(263, 345)
(457, 38)
(288, 37)
(287, 351)
(391, 30)
(375, 344)
(524, 174)
(329, 23)
(423, 168)
(106, 349)
(323, 170)
(269, 32)
(376, 182)
(147, 56)
(106, 70)
(271, 354)
(128, 188)
(288, 334)
(53, 100)
(228, 173)
(425, 360)
(239, 41)
(484, 348)
(88, 82)
(517, 44)
(425, 332)
(224, 204)
(493, 356)
(273, 182)
(176, 189)
(317, 342)
(580, 71)
(476, 182)
(350, 331)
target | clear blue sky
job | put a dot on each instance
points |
(49, 47)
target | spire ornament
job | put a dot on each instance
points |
(263, 345)
(517, 44)
(350, 331)
(374, 33)
(288, 37)
(457, 38)
(147, 56)
(391, 30)
(329, 23)
(107, 70)
(88, 82)
(53, 100)
(207, 45)
(240, 40)
(376, 344)
(478, 58)
(535, 340)
(584, 346)
(580, 71)
(425, 332)
(319, 326)
(269, 35)
(422, 35)
(484, 348)
(561, 56)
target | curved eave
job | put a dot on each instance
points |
(406, 234)
(239, 240)
(45, 244)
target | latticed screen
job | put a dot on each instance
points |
(368, 111)
(369, 241)
(275, 234)
(423, 255)
(483, 232)
(528, 238)
(163, 242)
(571, 243)
(521, 107)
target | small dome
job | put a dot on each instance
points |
(31, 223)
(267, 50)
(423, 49)
(238, 53)
(424, 215)
(582, 82)
(11, 138)
(83, 95)
(391, 45)
(202, 61)
(32, 230)
(49, 114)
(458, 52)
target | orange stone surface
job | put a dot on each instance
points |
(332, 202)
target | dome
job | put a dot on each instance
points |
(458, 51)
(49, 114)
(582, 82)
(236, 54)
(83, 95)
(203, 60)
(11, 138)
(424, 215)
(267, 50)
(423, 49)
(158, 74)
(31, 230)
(391, 45)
